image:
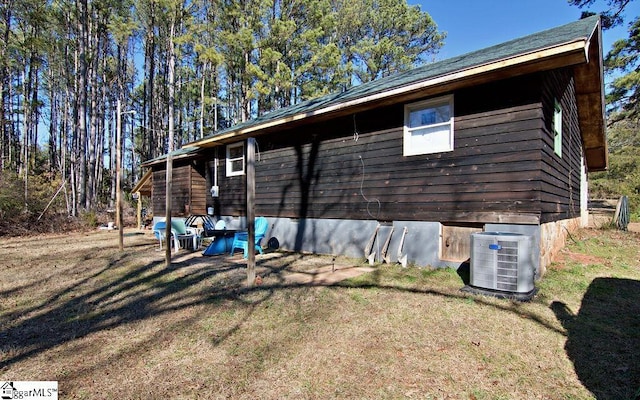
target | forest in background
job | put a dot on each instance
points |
(622, 68)
(182, 69)
(176, 68)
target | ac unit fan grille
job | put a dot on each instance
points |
(507, 266)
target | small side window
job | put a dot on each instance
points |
(557, 129)
(235, 159)
(428, 126)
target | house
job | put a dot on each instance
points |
(500, 139)
(142, 188)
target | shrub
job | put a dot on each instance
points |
(90, 219)
(11, 195)
(622, 178)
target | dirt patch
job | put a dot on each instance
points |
(278, 268)
(566, 256)
(634, 227)
(327, 275)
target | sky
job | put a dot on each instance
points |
(475, 24)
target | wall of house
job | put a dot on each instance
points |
(189, 190)
(353, 167)
(326, 187)
(561, 176)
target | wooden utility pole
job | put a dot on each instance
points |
(119, 218)
(169, 176)
(251, 207)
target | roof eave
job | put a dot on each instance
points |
(140, 186)
(590, 102)
(163, 158)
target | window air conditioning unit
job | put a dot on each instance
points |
(502, 261)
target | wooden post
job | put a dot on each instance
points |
(139, 210)
(169, 176)
(251, 204)
(168, 189)
(119, 219)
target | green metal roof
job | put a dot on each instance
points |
(578, 30)
(182, 152)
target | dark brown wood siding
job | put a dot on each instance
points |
(354, 168)
(560, 190)
(231, 200)
(189, 189)
(199, 191)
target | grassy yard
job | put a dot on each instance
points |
(107, 325)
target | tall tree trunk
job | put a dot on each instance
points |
(24, 153)
(74, 136)
(67, 119)
(112, 155)
(102, 120)
(147, 139)
(244, 94)
(5, 79)
(202, 105)
(82, 103)
(69, 63)
(35, 108)
(154, 142)
(92, 172)
(54, 107)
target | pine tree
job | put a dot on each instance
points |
(622, 60)
(383, 37)
(64, 64)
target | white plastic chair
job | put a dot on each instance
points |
(160, 232)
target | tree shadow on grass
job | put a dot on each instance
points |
(109, 298)
(81, 309)
(603, 339)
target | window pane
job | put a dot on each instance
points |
(557, 127)
(236, 151)
(432, 139)
(236, 165)
(428, 116)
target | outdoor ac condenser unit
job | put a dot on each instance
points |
(502, 261)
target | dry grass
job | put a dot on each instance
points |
(110, 325)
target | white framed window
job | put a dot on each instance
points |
(428, 126)
(235, 159)
(557, 128)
